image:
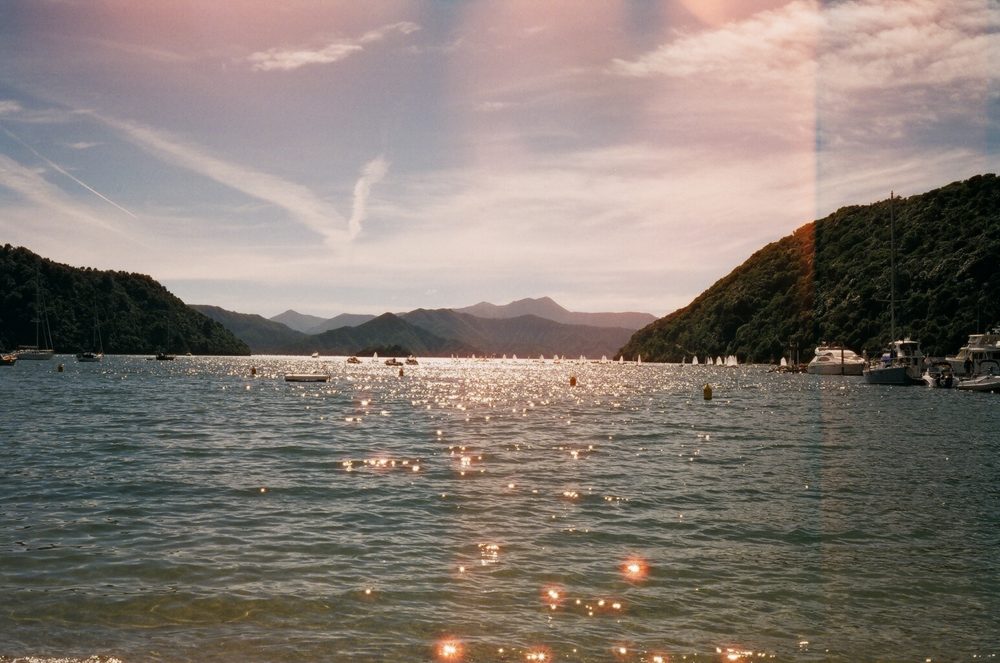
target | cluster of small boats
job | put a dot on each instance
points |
(976, 367)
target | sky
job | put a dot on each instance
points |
(362, 157)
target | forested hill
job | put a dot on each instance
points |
(830, 280)
(136, 314)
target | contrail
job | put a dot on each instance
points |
(58, 168)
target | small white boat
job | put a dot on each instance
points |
(307, 377)
(89, 356)
(939, 374)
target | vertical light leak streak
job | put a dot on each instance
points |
(63, 171)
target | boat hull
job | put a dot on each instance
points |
(835, 368)
(894, 375)
(306, 377)
(987, 383)
(35, 355)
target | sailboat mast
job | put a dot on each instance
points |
(38, 311)
(892, 271)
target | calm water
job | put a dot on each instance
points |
(185, 510)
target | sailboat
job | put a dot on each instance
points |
(97, 354)
(163, 355)
(43, 335)
(902, 363)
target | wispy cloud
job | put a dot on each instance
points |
(31, 185)
(9, 106)
(304, 206)
(276, 59)
(371, 174)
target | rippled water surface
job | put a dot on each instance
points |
(488, 511)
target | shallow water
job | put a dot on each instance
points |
(187, 510)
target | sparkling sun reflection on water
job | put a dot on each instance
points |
(488, 511)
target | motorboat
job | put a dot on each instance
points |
(411, 361)
(353, 360)
(164, 356)
(939, 374)
(988, 380)
(835, 360)
(8, 359)
(900, 364)
(89, 356)
(393, 362)
(979, 348)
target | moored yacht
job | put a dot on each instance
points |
(900, 364)
(979, 348)
(835, 360)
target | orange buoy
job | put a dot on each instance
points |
(707, 391)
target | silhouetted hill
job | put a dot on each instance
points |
(338, 321)
(298, 321)
(137, 315)
(525, 335)
(262, 335)
(383, 331)
(830, 280)
(548, 309)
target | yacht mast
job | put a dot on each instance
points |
(892, 272)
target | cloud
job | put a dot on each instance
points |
(9, 106)
(371, 174)
(83, 145)
(275, 59)
(843, 47)
(304, 206)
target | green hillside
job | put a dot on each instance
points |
(136, 314)
(830, 280)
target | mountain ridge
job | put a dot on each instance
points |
(135, 313)
(830, 280)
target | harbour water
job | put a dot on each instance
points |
(488, 511)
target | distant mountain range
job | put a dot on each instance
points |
(137, 315)
(543, 307)
(440, 332)
(311, 324)
(546, 308)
